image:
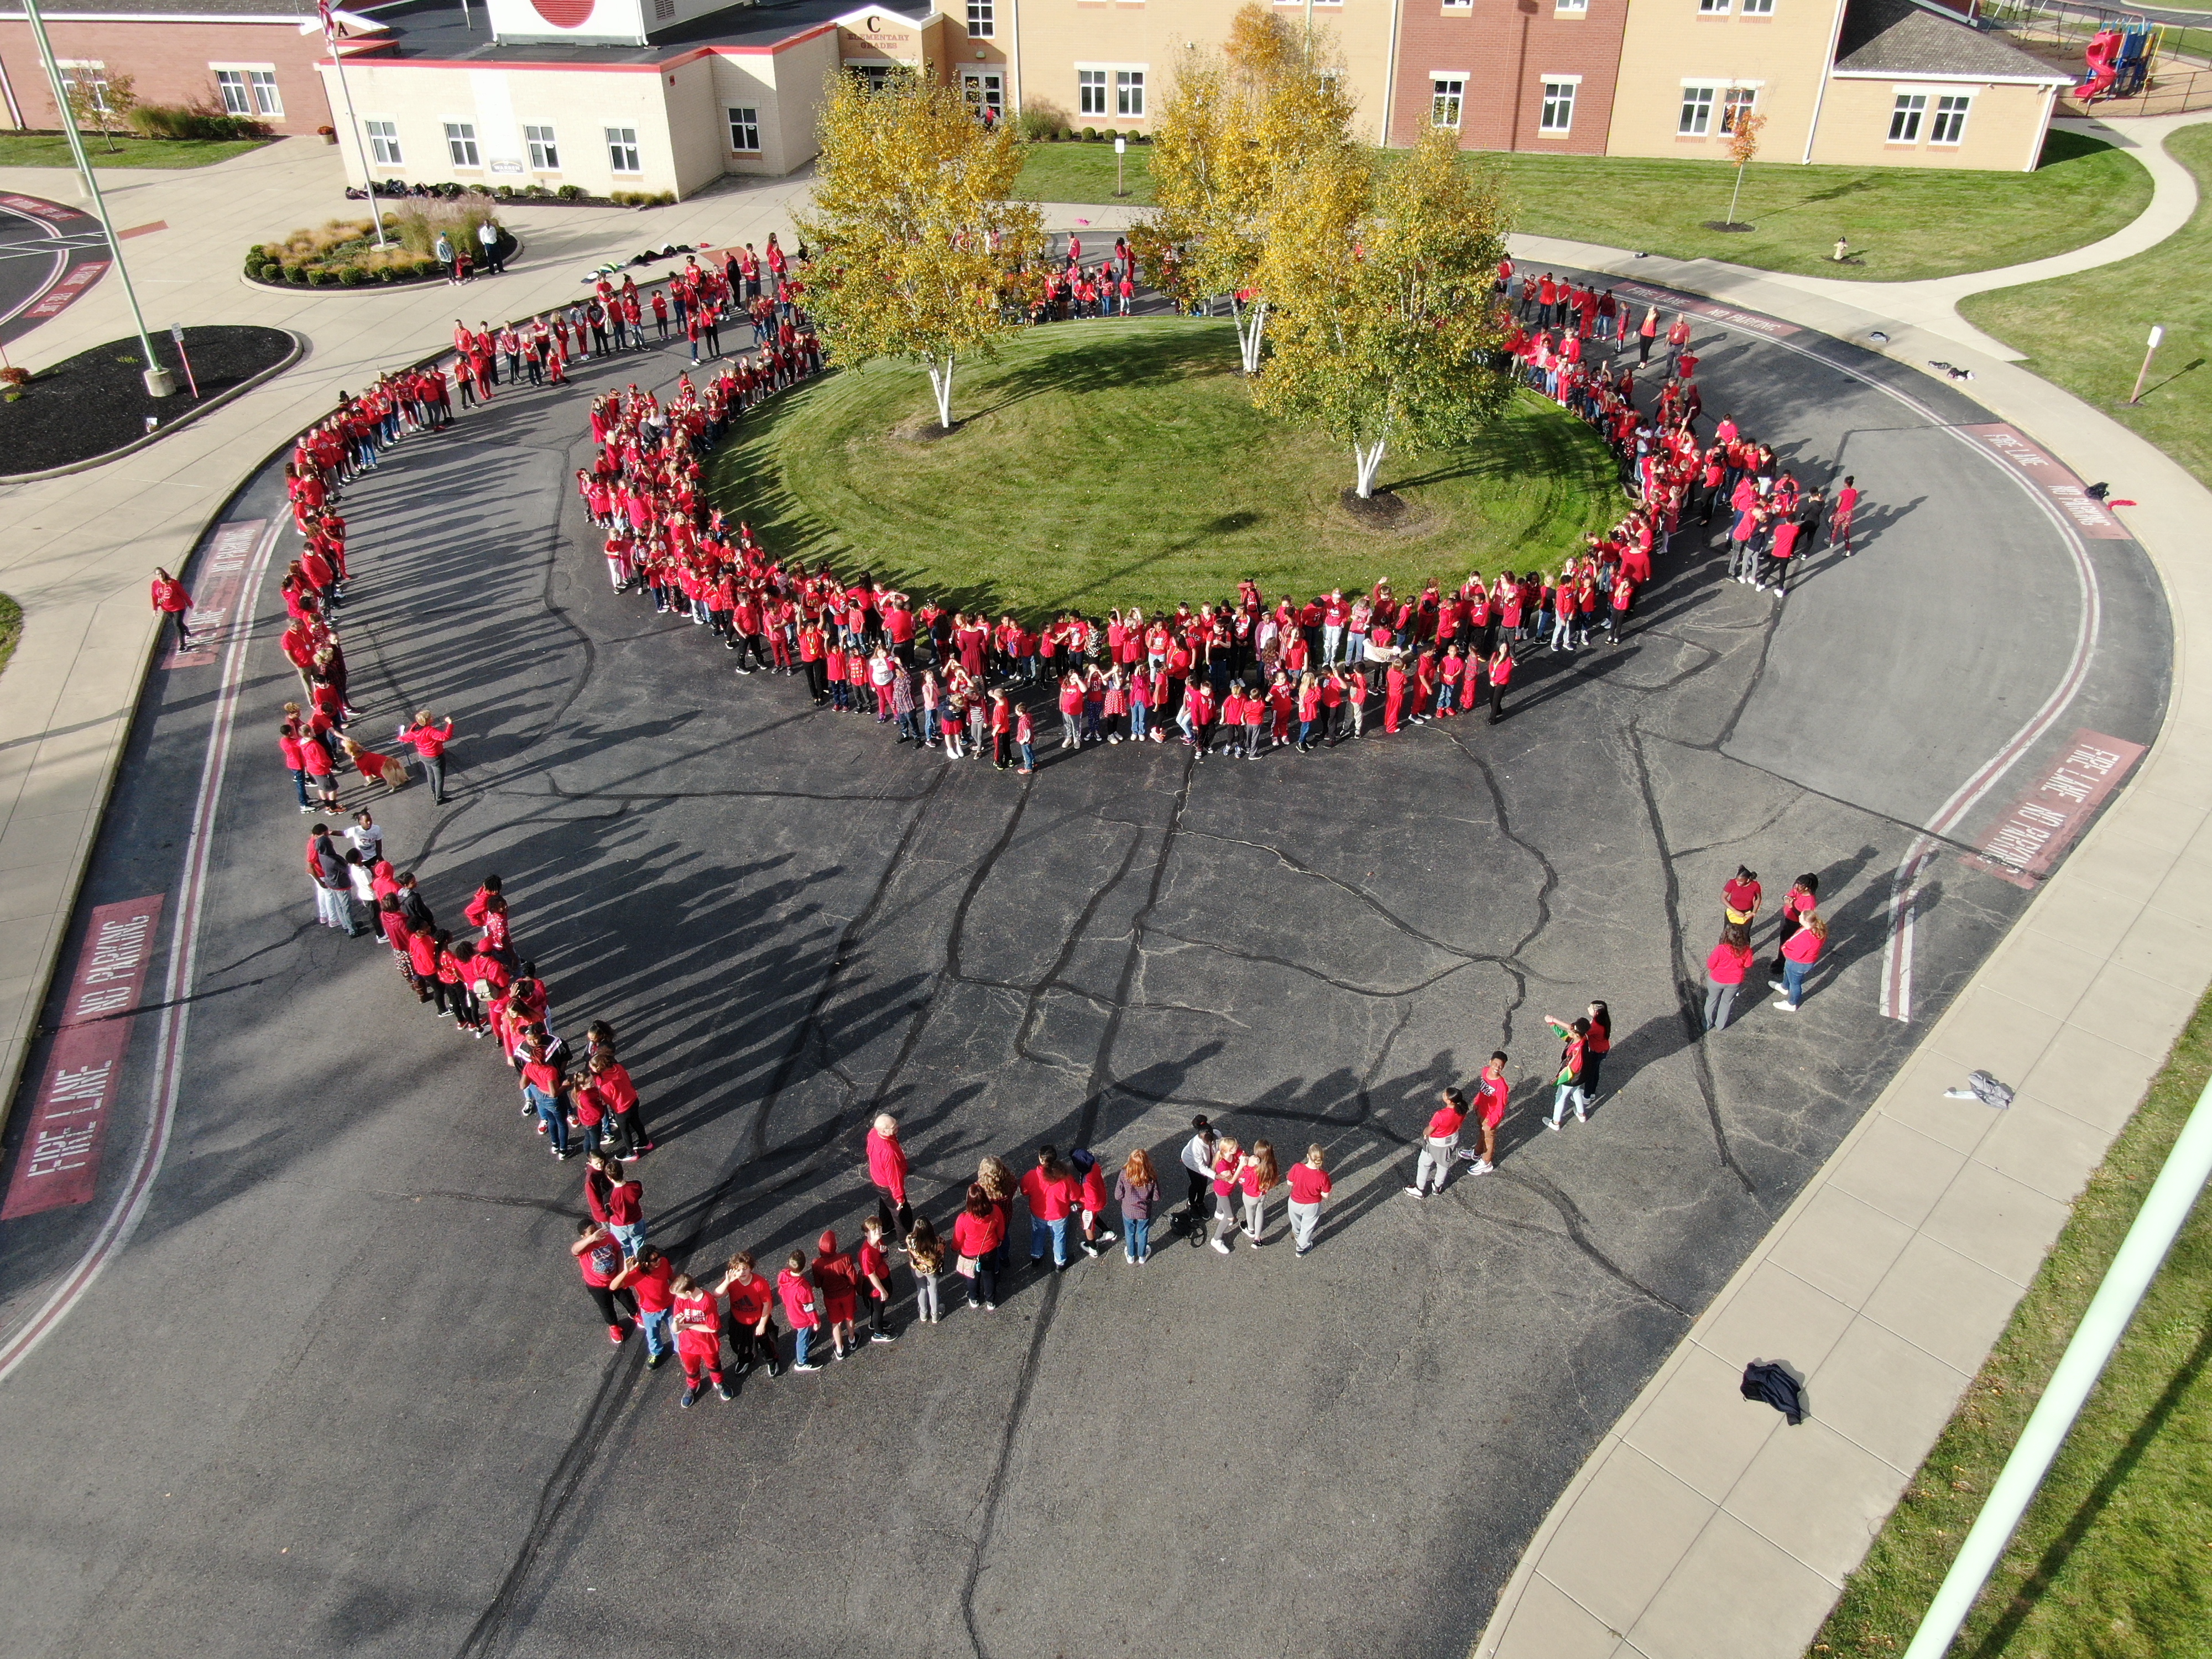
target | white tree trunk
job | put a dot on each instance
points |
(1369, 459)
(1249, 328)
(940, 384)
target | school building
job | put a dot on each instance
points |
(653, 95)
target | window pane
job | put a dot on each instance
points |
(622, 149)
(384, 142)
(744, 131)
(461, 143)
(1759, 7)
(1444, 95)
(1090, 92)
(544, 153)
(1697, 112)
(1129, 91)
(982, 23)
(232, 84)
(1712, 5)
(1905, 118)
(1950, 126)
(1737, 104)
(1559, 106)
(265, 100)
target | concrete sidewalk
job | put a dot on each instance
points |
(1703, 1527)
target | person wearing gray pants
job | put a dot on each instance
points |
(1438, 1143)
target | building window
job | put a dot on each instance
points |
(1697, 112)
(264, 84)
(1129, 93)
(1445, 91)
(744, 131)
(384, 143)
(1713, 7)
(622, 149)
(1459, 5)
(1759, 7)
(1559, 107)
(461, 143)
(236, 99)
(982, 23)
(1950, 126)
(86, 74)
(544, 153)
(1573, 5)
(1090, 92)
(1736, 103)
(1905, 118)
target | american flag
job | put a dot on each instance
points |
(330, 24)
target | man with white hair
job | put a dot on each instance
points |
(887, 1171)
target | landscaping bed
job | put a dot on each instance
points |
(344, 252)
(392, 192)
(95, 404)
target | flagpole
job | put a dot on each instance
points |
(160, 382)
(345, 94)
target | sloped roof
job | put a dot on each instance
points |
(1900, 38)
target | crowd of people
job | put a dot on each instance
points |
(1242, 676)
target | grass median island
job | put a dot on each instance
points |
(2087, 332)
(1112, 463)
(2113, 1560)
(50, 150)
(1904, 223)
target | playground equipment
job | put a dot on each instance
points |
(2118, 58)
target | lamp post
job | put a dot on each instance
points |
(160, 383)
(329, 25)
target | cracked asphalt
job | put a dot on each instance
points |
(341, 1393)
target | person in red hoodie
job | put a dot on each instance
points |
(801, 1307)
(838, 1282)
(171, 601)
(1090, 1194)
(887, 1171)
(1051, 1191)
(698, 1338)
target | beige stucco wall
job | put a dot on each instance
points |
(2004, 127)
(1783, 54)
(1059, 35)
(786, 89)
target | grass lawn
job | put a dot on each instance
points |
(1904, 223)
(2114, 1559)
(50, 150)
(2087, 332)
(11, 629)
(1084, 173)
(1123, 463)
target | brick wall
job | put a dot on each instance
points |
(1505, 49)
(169, 61)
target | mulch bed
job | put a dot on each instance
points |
(95, 403)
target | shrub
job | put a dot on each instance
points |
(1054, 135)
(537, 192)
(570, 192)
(1039, 122)
(666, 198)
(1090, 135)
(295, 274)
(352, 276)
(1109, 135)
(505, 192)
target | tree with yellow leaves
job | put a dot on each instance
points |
(1233, 129)
(1387, 329)
(917, 252)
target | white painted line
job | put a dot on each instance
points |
(130, 1208)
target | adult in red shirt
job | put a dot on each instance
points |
(171, 600)
(1798, 903)
(839, 1283)
(887, 1171)
(1724, 970)
(1438, 1141)
(698, 1316)
(429, 741)
(801, 1307)
(647, 1278)
(1501, 676)
(752, 1315)
(601, 1258)
(1309, 1189)
(1050, 1190)
(977, 1233)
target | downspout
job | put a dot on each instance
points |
(1016, 7)
(1827, 67)
(1390, 71)
(2042, 130)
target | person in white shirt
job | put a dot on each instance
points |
(1197, 1163)
(488, 237)
(367, 836)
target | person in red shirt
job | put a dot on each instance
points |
(1574, 1047)
(601, 1258)
(429, 741)
(1260, 1177)
(801, 1307)
(698, 1317)
(876, 1278)
(1724, 970)
(977, 1233)
(1598, 1044)
(1090, 1194)
(171, 600)
(1492, 1093)
(887, 1172)
(1438, 1141)
(1797, 904)
(615, 1201)
(1501, 676)
(1839, 517)
(647, 1278)
(1309, 1189)
(838, 1282)
(1050, 1190)
(1229, 1159)
(752, 1315)
(542, 1084)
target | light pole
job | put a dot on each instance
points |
(160, 383)
(329, 25)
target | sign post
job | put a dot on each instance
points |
(177, 333)
(2157, 335)
(1121, 149)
